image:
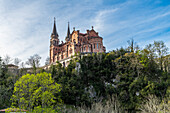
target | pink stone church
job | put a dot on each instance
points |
(75, 42)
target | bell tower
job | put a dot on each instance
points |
(54, 42)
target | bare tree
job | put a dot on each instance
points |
(47, 62)
(7, 59)
(133, 47)
(34, 60)
(17, 61)
(22, 65)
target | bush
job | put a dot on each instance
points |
(36, 90)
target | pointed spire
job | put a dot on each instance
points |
(54, 29)
(92, 27)
(68, 33)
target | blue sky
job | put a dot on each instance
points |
(26, 25)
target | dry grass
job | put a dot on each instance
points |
(111, 106)
(154, 105)
(151, 105)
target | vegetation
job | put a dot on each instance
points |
(7, 80)
(36, 90)
(123, 80)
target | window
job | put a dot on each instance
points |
(54, 42)
(97, 46)
(94, 46)
(84, 48)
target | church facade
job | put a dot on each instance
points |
(75, 42)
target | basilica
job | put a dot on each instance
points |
(75, 42)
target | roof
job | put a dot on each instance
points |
(83, 34)
(12, 65)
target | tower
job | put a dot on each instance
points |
(54, 42)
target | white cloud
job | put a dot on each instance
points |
(25, 26)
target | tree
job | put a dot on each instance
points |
(166, 63)
(34, 60)
(36, 90)
(131, 76)
(7, 59)
(47, 62)
(22, 65)
(133, 47)
(0, 66)
(161, 50)
(7, 80)
(17, 61)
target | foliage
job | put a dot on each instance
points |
(130, 75)
(7, 80)
(36, 90)
(39, 109)
(9, 110)
(88, 82)
(161, 50)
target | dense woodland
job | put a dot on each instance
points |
(129, 79)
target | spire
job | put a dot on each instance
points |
(68, 32)
(54, 29)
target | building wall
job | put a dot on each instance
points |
(78, 43)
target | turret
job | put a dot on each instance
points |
(54, 42)
(54, 35)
